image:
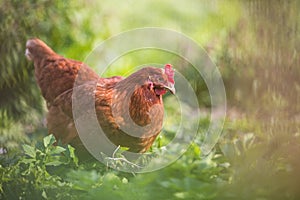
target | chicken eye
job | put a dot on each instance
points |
(160, 79)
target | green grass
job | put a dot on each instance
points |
(241, 166)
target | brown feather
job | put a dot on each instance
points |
(130, 110)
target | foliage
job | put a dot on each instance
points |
(52, 172)
(20, 101)
(262, 166)
(246, 168)
(257, 156)
(264, 60)
(29, 176)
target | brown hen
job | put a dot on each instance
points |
(129, 110)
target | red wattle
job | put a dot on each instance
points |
(160, 91)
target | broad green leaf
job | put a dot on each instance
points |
(54, 163)
(57, 150)
(27, 161)
(72, 155)
(29, 150)
(181, 195)
(49, 140)
(125, 180)
(44, 194)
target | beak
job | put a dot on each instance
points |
(171, 88)
(27, 54)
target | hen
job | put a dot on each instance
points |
(129, 110)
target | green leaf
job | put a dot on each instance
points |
(54, 163)
(57, 150)
(49, 140)
(44, 195)
(124, 149)
(27, 161)
(125, 180)
(181, 195)
(30, 151)
(72, 155)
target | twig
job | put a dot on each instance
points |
(125, 160)
(115, 151)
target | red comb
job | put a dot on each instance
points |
(169, 72)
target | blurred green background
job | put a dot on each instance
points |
(255, 45)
